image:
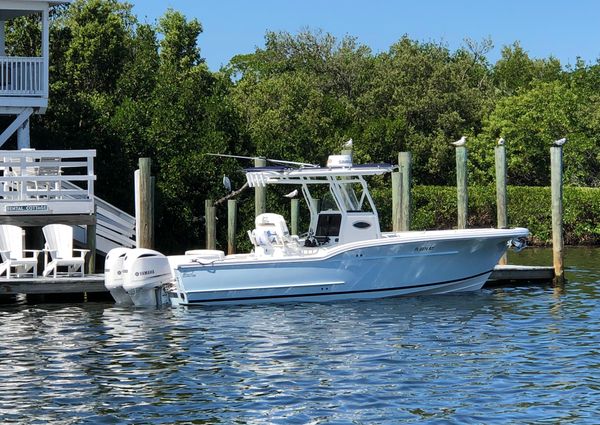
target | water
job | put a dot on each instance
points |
(504, 355)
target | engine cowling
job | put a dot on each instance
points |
(145, 271)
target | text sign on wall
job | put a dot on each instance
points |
(26, 208)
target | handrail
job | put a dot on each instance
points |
(22, 76)
(39, 176)
(50, 182)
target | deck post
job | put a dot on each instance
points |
(144, 210)
(210, 218)
(231, 226)
(501, 210)
(23, 141)
(91, 245)
(294, 212)
(461, 185)
(556, 164)
(404, 166)
(260, 192)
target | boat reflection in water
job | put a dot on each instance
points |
(344, 255)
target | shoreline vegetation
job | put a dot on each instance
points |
(130, 89)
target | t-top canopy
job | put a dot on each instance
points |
(261, 176)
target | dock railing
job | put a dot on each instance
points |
(31, 182)
(22, 76)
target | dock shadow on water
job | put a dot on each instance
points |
(504, 355)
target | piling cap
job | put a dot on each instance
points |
(339, 161)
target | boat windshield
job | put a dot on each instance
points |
(328, 203)
(349, 198)
(352, 196)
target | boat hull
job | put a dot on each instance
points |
(406, 264)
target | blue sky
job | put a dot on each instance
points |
(564, 29)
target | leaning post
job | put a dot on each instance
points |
(461, 185)
(556, 166)
(404, 166)
(144, 208)
(231, 225)
(501, 209)
(210, 222)
(260, 192)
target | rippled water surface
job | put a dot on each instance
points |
(502, 355)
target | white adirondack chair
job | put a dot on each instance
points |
(13, 254)
(59, 245)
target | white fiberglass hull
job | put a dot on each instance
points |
(411, 263)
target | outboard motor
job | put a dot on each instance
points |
(113, 275)
(145, 273)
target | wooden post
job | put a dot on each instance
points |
(91, 245)
(152, 200)
(231, 225)
(404, 166)
(396, 201)
(260, 192)
(461, 185)
(210, 221)
(294, 211)
(501, 210)
(557, 211)
(145, 210)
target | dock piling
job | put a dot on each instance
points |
(461, 185)
(260, 192)
(294, 212)
(91, 245)
(501, 210)
(404, 166)
(144, 205)
(556, 166)
(231, 226)
(210, 222)
(396, 201)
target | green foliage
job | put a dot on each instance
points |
(100, 34)
(434, 207)
(515, 70)
(130, 90)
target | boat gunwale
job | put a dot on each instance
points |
(330, 252)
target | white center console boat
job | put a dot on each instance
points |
(344, 255)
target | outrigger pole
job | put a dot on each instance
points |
(275, 161)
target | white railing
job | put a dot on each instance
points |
(21, 76)
(32, 182)
(114, 227)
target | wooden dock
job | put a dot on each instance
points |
(94, 283)
(512, 273)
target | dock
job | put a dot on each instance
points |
(94, 283)
(504, 274)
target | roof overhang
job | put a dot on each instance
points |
(10, 9)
